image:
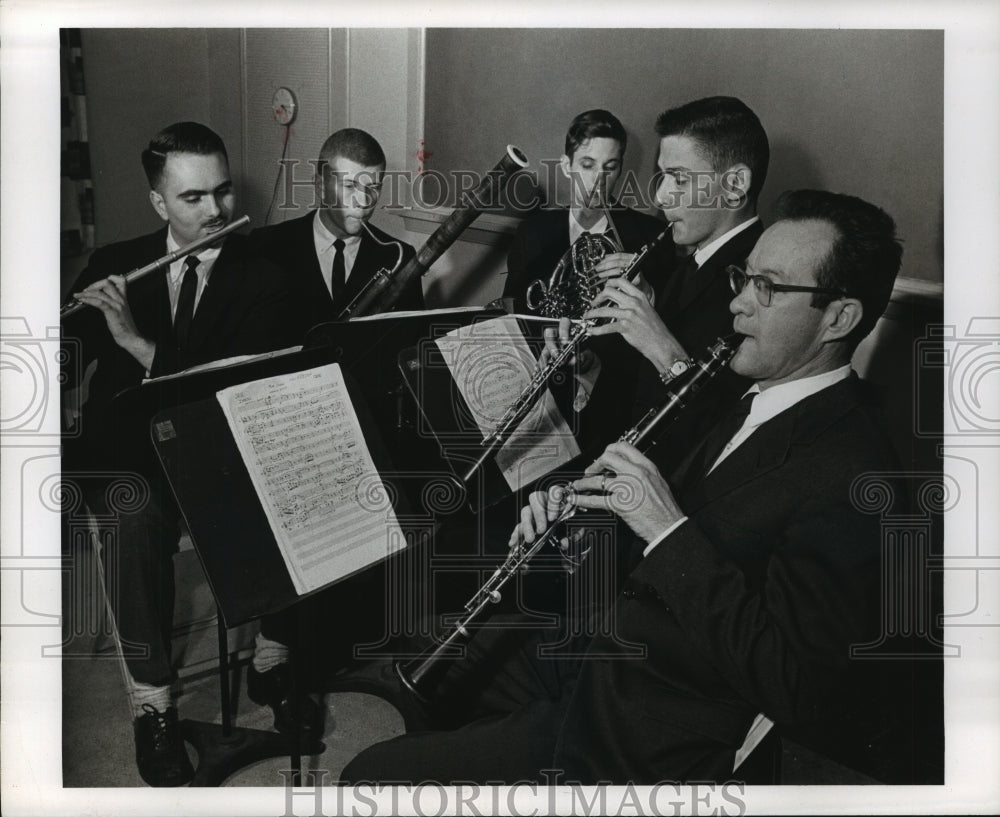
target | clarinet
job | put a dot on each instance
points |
(419, 674)
(579, 332)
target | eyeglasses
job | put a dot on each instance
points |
(764, 288)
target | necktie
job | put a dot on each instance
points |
(185, 302)
(338, 273)
(680, 283)
(705, 455)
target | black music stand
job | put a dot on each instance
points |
(199, 456)
(200, 445)
(239, 554)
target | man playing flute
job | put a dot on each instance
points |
(215, 303)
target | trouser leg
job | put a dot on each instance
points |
(137, 554)
(507, 702)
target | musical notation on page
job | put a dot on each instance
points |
(301, 441)
(491, 364)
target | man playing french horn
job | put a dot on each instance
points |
(592, 163)
(754, 572)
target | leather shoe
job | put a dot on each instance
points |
(274, 688)
(159, 748)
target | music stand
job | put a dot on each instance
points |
(196, 450)
(240, 557)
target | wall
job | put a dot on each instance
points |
(127, 102)
(854, 111)
(139, 80)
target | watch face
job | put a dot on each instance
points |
(678, 367)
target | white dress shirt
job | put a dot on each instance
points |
(599, 227)
(702, 254)
(325, 251)
(175, 273)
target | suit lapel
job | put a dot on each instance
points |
(370, 259)
(768, 447)
(734, 251)
(302, 243)
(149, 297)
(217, 295)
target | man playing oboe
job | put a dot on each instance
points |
(755, 571)
(712, 164)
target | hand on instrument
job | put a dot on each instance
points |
(628, 484)
(543, 508)
(612, 266)
(635, 319)
(556, 340)
(109, 296)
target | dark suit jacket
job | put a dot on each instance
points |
(702, 315)
(696, 317)
(290, 246)
(750, 605)
(543, 238)
(244, 309)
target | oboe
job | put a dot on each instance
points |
(579, 331)
(74, 306)
(418, 674)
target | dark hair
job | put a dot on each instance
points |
(353, 144)
(726, 131)
(865, 256)
(594, 124)
(181, 137)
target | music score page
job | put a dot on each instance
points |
(492, 364)
(303, 447)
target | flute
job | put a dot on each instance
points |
(74, 306)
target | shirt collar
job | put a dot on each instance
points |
(206, 258)
(324, 238)
(576, 230)
(702, 254)
(771, 402)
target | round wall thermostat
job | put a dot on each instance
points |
(283, 106)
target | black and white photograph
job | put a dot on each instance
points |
(533, 410)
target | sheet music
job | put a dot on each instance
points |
(411, 313)
(223, 363)
(491, 364)
(301, 441)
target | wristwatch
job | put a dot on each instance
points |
(677, 368)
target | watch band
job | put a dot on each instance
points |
(675, 370)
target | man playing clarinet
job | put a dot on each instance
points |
(755, 569)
